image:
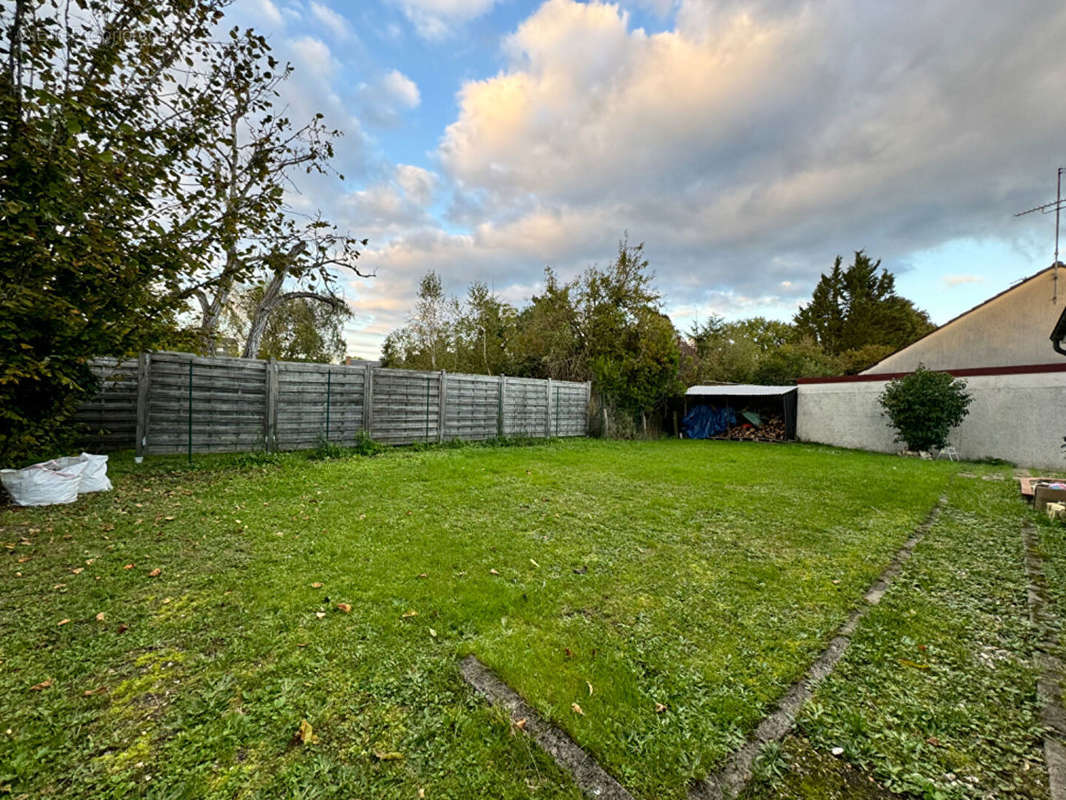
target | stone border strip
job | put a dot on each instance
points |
(590, 777)
(1049, 666)
(728, 782)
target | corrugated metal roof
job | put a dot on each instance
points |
(740, 390)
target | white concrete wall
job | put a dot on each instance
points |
(1010, 330)
(1020, 418)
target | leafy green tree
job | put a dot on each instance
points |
(243, 173)
(626, 345)
(547, 342)
(484, 332)
(857, 307)
(301, 330)
(756, 350)
(924, 406)
(97, 126)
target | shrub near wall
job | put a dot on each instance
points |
(924, 406)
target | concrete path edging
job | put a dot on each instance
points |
(592, 779)
(728, 782)
(1049, 666)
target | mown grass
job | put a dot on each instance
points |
(701, 576)
(936, 696)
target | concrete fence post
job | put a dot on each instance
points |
(500, 407)
(368, 399)
(548, 408)
(144, 377)
(442, 413)
(270, 419)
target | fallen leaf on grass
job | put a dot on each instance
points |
(155, 573)
(316, 585)
(421, 792)
(63, 622)
(78, 570)
(577, 709)
(128, 566)
(305, 734)
(409, 614)
(100, 617)
(302, 644)
(590, 688)
(433, 633)
(659, 708)
(24, 559)
(320, 614)
(569, 652)
(493, 572)
(521, 724)
(389, 756)
(580, 570)
(40, 686)
(89, 561)
(347, 609)
(934, 741)
(91, 692)
(534, 563)
(423, 575)
(908, 663)
(123, 628)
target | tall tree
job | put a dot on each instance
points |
(97, 126)
(855, 307)
(244, 171)
(547, 342)
(484, 332)
(301, 330)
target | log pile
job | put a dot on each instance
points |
(772, 430)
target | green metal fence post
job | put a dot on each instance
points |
(190, 411)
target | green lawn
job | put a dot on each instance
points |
(702, 576)
(936, 696)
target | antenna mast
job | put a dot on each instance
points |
(1048, 208)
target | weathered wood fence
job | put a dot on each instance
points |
(177, 403)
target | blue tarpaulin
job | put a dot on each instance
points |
(703, 422)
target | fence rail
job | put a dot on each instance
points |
(177, 403)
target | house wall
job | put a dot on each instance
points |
(1009, 330)
(1019, 418)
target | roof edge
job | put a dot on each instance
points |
(966, 372)
(966, 313)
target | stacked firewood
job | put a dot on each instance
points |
(772, 429)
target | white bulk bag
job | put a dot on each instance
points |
(93, 472)
(40, 486)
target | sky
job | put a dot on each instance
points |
(746, 144)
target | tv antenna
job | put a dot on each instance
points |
(1048, 208)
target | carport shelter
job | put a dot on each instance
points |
(729, 401)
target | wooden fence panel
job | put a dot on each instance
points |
(472, 407)
(184, 403)
(406, 406)
(109, 420)
(318, 402)
(205, 405)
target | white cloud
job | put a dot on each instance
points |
(334, 22)
(401, 88)
(747, 146)
(436, 19)
(959, 280)
(314, 56)
(268, 12)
